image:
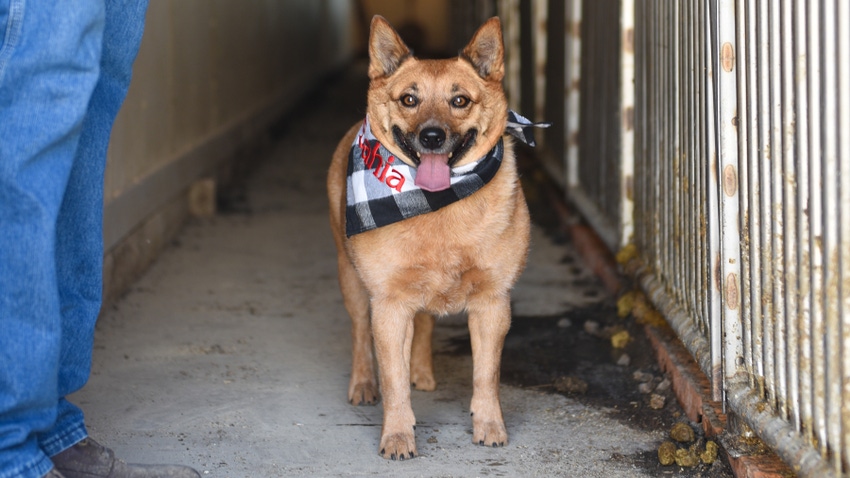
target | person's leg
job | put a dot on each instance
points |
(79, 237)
(49, 65)
(79, 258)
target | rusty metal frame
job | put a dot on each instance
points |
(735, 189)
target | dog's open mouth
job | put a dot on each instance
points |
(433, 168)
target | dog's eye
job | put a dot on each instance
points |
(409, 101)
(460, 101)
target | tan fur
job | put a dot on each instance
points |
(464, 257)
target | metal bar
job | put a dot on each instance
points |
(727, 172)
(775, 211)
(539, 14)
(657, 153)
(663, 133)
(700, 180)
(572, 76)
(674, 186)
(509, 12)
(627, 131)
(689, 158)
(815, 206)
(830, 237)
(843, 116)
(712, 186)
(776, 432)
(789, 192)
(747, 173)
(804, 298)
(756, 239)
(764, 207)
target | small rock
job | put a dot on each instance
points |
(710, 454)
(656, 401)
(432, 439)
(639, 376)
(667, 453)
(686, 457)
(646, 387)
(682, 433)
(624, 360)
(570, 385)
(591, 327)
(627, 253)
(620, 339)
(664, 385)
(625, 304)
(565, 323)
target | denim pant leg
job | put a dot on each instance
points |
(49, 65)
(79, 228)
(79, 236)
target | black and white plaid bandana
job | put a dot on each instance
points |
(520, 127)
(381, 191)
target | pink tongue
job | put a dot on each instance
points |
(433, 173)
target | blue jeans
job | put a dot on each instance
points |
(64, 71)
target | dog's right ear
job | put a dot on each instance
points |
(386, 49)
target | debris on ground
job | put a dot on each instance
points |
(620, 339)
(656, 401)
(626, 254)
(636, 304)
(682, 433)
(591, 327)
(667, 453)
(573, 385)
(687, 457)
(710, 453)
(626, 303)
(686, 449)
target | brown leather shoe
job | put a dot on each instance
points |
(89, 459)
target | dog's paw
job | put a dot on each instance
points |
(365, 393)
(423, 381)
(489, 433)
(398, 446)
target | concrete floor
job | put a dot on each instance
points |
(232, 353)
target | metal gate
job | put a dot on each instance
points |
(714, 136)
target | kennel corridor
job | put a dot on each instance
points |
(232, 352)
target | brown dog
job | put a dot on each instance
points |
(434, 128)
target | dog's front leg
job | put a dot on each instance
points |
(489, 321)
(392, 328)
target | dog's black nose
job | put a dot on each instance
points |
(432, 138)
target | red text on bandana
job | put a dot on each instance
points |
(384, 171)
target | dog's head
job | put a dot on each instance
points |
(437, 114)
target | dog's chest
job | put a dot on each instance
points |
(444, 285)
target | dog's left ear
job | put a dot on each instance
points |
(486, 52)
(386, 49)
